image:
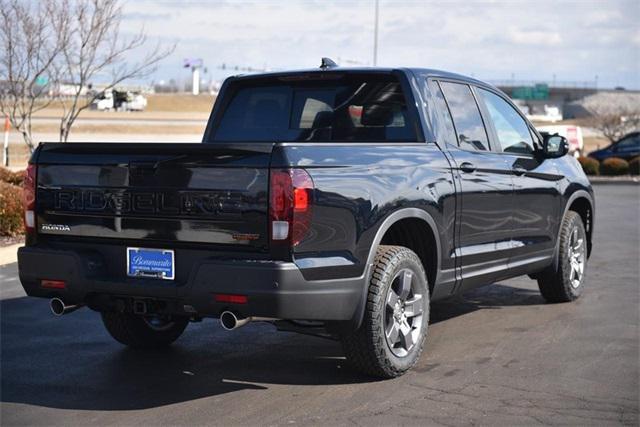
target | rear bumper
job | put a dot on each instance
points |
(274, 289)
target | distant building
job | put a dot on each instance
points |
(137, 88)
(611, 100)
(561, 100)
(66, 89)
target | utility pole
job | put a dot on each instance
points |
(5, 151)
(375, 35)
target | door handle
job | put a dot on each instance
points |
(467, 167)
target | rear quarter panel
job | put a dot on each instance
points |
(357, 186)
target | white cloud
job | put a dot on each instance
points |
(602, 17)
(534, 37)
(532, 40)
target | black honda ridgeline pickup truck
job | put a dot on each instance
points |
(332, 201)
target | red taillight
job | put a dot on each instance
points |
(231, 299)
(29, 197)
(300, 199)
(280, 195)
(53, 284)
(302, 203)
(290, 202)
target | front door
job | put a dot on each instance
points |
(537, 199)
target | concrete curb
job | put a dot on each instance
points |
(9, 254)
(625, 180)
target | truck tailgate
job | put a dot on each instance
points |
(206, 193)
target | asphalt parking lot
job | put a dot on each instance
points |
(496, 356)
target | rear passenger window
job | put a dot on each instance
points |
(511, 129)
(466, 117)
(447, 131)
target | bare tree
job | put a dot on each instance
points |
(31, 38)
(614, 114)
(96, 48)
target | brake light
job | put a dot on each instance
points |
(300, 200)
(29, 198)
(290, 204)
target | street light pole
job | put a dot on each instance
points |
(5, 148)
(375, 36)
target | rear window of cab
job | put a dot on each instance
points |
(347, 108)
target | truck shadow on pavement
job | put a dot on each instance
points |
(490, 297)
(72, 363)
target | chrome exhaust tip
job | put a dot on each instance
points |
(58, 307)
(230, 321)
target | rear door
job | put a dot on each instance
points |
(484, 224)
(536, 198)
(155, 194)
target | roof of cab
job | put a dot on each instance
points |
(424, 72)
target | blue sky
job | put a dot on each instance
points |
(491, 40)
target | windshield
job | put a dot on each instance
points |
(350, 108)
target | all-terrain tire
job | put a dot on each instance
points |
(368, 349)
(558, 282)
(139, 332)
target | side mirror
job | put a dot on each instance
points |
(554, 146)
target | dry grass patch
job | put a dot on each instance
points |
(170, 102)
(124, 128)
(180, 102)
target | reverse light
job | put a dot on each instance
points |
(290, 204)
(279, 230)
(29, 198)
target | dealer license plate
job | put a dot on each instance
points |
(153, 263)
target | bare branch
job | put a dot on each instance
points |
(96, 48)
(79, 41)
(31, 37)
(613, 114)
